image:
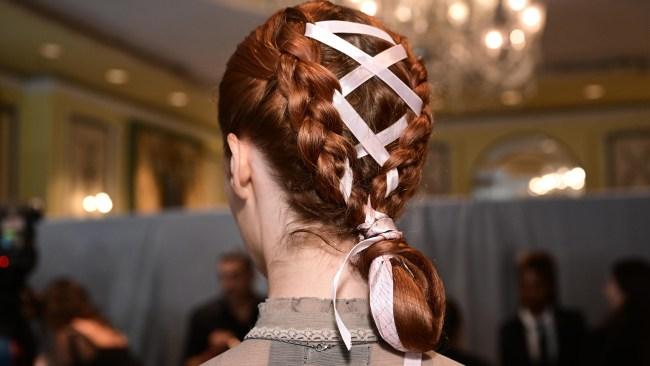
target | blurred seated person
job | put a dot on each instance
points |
(452, 330)
(542, 333)
(78, 335)
(224, 321)
(624, 338)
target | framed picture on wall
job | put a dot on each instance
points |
(8, 154)
(90, 155)
(436, 175)
(165, 168)
(628, 159)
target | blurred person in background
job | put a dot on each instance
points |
(224, 321)
(452, 330)
(18, 256)
(542, 333)
(624, 338)
(76, 333)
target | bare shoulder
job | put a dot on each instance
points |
(436, 359)
(251, 352)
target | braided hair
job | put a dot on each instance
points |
(277, 93)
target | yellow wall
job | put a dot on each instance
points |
(584, 131)
(44, 110)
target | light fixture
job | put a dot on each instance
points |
(100, 202)
(517, 5)
(116, 76)
(593, 91)
(560, 180)
(51, 51)
(178, 99)
(104, 202)
(517, 39)
(369, 7)
(89, 204)
(532, 18)
(458, 13)
(493, 39)
(473, 49)
(403, 13)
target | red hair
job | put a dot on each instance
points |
(277, 93)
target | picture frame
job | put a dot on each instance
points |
(165, 168)
(91, 159)
(8, 154)
(628, 158)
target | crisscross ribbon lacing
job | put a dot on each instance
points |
(377, 225)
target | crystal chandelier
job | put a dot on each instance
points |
(473, 48)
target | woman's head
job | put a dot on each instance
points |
(276, 95)
(629, 283)
(65, 300)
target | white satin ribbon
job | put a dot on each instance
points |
(340, 26)
(404, 91)
(380, 281)
(377, 225)
(370, 66)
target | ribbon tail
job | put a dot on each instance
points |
(343, 329)
(412, 359)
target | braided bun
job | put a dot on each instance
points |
(277, 92)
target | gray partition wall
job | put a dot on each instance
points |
(146, 273)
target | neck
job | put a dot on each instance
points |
(301, 264)
(306, 268)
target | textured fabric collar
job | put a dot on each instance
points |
(311, 320)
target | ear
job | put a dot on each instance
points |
(240, 167)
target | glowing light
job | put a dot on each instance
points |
(518, 39)
(458, 13)
(532, 18)
(104, 202)
(493, 39)
(517, 5)
(117, 76)
(178, 99)
(593, 91)
(101, 202)
(89, 204)
(51, 51)
(575, 178)
(561, 179)
(369, 7)
(403, 13)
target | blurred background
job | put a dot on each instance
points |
(111, 158)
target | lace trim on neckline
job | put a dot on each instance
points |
(308, 335)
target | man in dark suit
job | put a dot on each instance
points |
(223, 322)
(542, 333)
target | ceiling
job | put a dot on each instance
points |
(195, 37)
(192, 37)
